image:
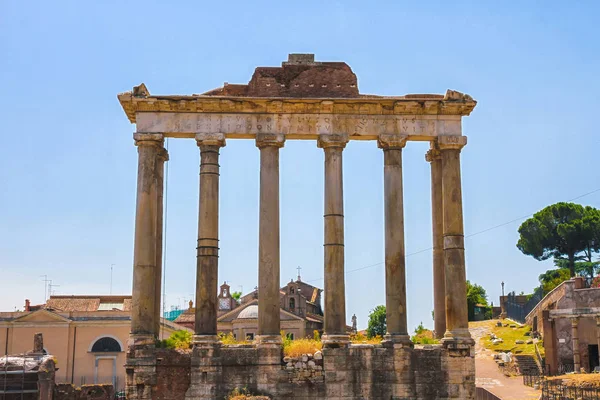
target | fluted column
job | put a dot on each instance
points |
(433, 156)
(162, 157)
(575, 342)
(457, 323)
(143, 306)
(207, 261)
(335, 297)
(395, 262)
(268, 247)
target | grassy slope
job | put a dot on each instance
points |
(509, 336)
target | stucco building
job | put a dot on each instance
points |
(300, 312)
(86, 334)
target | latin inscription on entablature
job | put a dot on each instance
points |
(298, 126)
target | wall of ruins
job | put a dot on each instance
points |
(356, 372)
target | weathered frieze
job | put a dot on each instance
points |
(298, 126)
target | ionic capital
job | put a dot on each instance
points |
(433, 154)
(332, 140)
(269, 139)
(391, 142)
(210, 139)
(454, 142)
(148, 139)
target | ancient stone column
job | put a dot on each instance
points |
(162, 156)
(433, 156)
(207, 260)
(143, 306)
(268, 247)
(335, 293)
(457, 324)
(395, 263)
(575, 342)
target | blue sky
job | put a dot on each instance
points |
(68, 166)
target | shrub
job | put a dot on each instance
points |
(362, 339)
(423, 336)
(178, 340)
(229, 339)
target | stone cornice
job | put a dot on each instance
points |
(452, 103)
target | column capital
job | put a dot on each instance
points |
(598, 323)
(574, 321)
(270, 139)
(148, 139)
(332, 140)
(210, 139)
(163, 154)
(433, 154)
(391, 142)
(454, 142)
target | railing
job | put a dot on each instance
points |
(555, 390)
(532, 380)
(17, 383)
(565, 368)
(518, 312)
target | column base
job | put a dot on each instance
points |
(458, 339)
(397, 341)
(138, 340)
(205, 340)
(268, 340)
(335, 341)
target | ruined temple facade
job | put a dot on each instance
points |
(317, 101)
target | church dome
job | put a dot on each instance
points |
(250, 312)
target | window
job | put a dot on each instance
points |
(249, 336)
(292, 304)
(289, 336)
(105, 345)
(291, 290)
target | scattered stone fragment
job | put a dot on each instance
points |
(318, 355)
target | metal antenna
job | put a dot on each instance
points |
(111, 271)
(46, 280)
(51, 286)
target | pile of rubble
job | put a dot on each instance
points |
(305, 367)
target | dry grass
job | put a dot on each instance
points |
(359, 338)
(295, 348)
(578, 379)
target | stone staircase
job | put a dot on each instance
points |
(528, 365)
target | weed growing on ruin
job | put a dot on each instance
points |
(359, 338)
(178, 340)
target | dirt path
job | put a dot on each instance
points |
(487, 374)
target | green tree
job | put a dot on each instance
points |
(377, 322)
(236, 296)
(475, 295)
(553, 277)
(564, 231)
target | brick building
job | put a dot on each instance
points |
(568, 319)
